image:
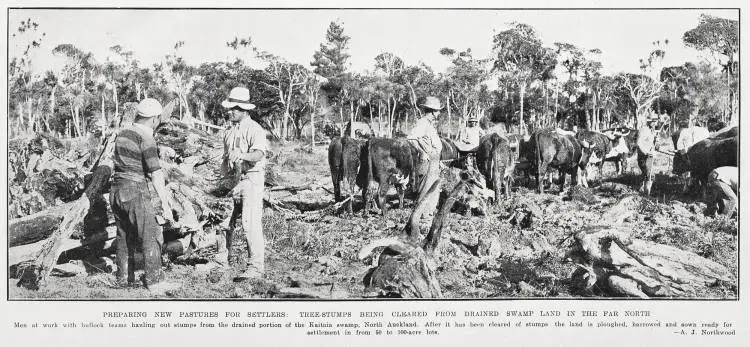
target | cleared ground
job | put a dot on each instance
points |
(315, 254)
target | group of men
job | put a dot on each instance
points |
(136, 162)
(722, 182)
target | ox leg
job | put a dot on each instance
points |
(350, 206)
(382, 193)
(400, 197)
(336, 186)
(574, 179)
(366, 199)
(497, 184)
(541, 175)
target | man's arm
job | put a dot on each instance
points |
(156, 174)
(157, 178)
(254, 155)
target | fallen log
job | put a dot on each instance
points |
(38, 226)
(21, 259)
(611, 259)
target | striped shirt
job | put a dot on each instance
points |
(135, 153)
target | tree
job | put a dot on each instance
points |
(180, 79)
(214, 81)
(642, 88)
(519, 53)
(693, 92)
(330, 62)
(78, 84)
(20, 77)
(720, 37)
(463, 82)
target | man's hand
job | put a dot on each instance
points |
(235, 156)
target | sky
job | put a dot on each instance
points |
(624, 36)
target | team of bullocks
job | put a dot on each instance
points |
(414, 160)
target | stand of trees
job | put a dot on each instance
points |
(526, 81)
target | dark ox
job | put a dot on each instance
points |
(389, 162)
(706, 155)
(560, 151)
(496, 159)
(343, 159)
(449, 151)
(525, 154)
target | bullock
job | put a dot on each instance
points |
(601, 149)
(624, 146)
(343, 159)
(496, 160)
(561, 151)
(389, 162)
(705, 156)
(449, 151)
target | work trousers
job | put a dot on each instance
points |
(646, 164)
(136, 229)
(248, 202)
(429, 172)
(722, 194)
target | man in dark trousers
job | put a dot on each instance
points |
(136, 162)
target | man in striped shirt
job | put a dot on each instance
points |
(135, 162)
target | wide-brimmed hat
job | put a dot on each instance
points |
(148, 108)
(238, 97)
(430, 102)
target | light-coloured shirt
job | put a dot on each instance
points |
(426, 135)
(691, 136)
(471, 135)
(726, 174)
(246, 135)
(646, 140)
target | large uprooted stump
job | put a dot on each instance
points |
(38, 241)
(405, 268)
(610, 259)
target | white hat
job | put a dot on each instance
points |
(148, 108)
(238, 97)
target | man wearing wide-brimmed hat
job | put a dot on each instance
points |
(245, 148)
(135, 162)
(647, 147)
(425, 138)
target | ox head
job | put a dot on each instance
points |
(587, 152)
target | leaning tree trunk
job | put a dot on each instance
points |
(351, 119)
(116, 101)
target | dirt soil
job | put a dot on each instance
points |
(314, 255)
